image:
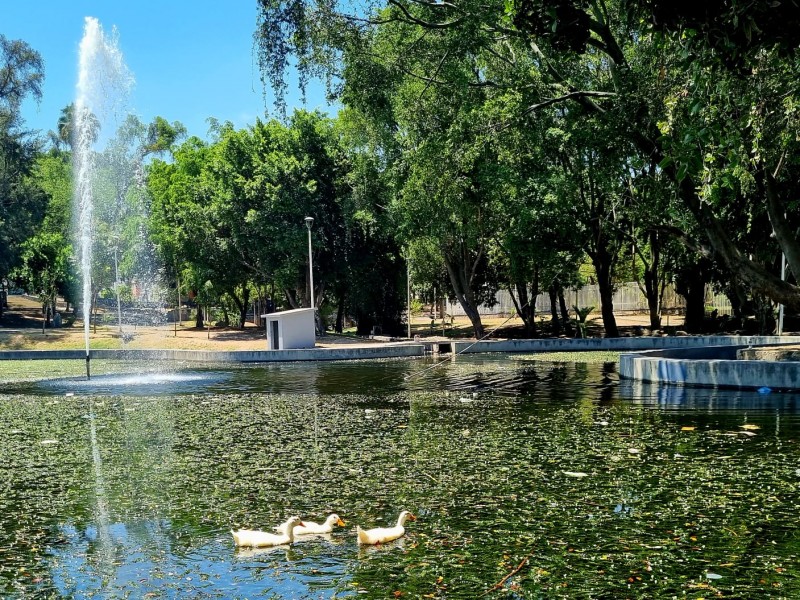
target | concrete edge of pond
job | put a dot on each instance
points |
(713, 366)
(242, 356)
(621, 344)
(411, 349)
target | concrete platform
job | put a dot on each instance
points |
(243, 356)
(712, 366)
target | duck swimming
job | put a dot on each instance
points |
(380, 535)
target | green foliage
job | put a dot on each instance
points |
(232, 212)
(694, 99)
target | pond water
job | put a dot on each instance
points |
(529, 480)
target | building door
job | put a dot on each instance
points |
(274, 342)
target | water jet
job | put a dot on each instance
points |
(103, 82)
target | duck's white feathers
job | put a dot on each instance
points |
(381, 535)
(310, 527)
(253, 538)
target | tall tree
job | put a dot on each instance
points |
(21, 201)
(656, 76)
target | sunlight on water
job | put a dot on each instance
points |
(554, 479)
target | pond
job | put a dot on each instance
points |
(529, 480)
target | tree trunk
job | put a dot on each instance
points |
(199, 319)
(340, 315)
(525, 311)
(226, 320)
(241, 304)
(691, 284)
(552, 291)
(777, 217)
(695, 309)
(465, 298)
(562, 303)
(291, 298)
(653, 295)
(652, 283)
(603, 262)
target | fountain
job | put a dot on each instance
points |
(103, 83)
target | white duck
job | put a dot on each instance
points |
(309, 527)
(253, 538)
(381, 535)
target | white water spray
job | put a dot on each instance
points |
(103, 84)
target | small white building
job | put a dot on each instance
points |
(290, 329)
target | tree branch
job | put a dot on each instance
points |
(422, 23)
(777, 218)
(502, 582)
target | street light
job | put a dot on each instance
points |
(310, 221)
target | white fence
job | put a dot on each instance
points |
(627, 298)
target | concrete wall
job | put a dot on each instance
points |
(709, 367)
(618, 344)
(323, 354)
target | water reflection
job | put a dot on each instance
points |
(496, 374)
(108, 495)
(707, 399)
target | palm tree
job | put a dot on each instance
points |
(66, 125)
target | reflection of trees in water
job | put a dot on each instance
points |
(483, 469)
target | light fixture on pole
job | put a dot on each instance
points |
(408, 294)
(310, 221)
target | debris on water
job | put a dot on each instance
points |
(69, 394)
(764, 390)
(713, 576)
(603, 423)
(575, 474)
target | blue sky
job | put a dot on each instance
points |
(191, 59)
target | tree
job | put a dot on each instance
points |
(21, 202)
(21, 75)
(651, 87)
(63, 136)
(47, 265)
(233, 210)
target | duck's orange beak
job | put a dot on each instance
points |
(411, 517)
(301, 524)
(340, 523)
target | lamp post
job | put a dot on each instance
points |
(310, 221)
(408, 294)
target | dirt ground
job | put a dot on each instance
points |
(21, 329)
